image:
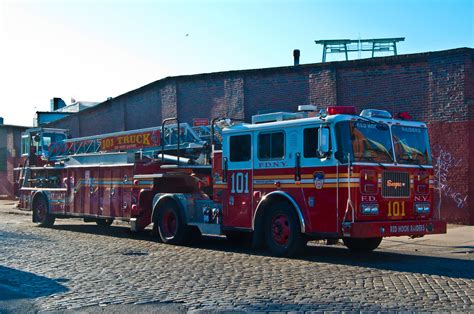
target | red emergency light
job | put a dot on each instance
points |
(404, 116)
(332, 110)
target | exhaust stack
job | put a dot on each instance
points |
(296, 57)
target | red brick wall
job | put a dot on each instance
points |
(452, 160)
(323, 87)
(276, 91)
(199, 98)
(394, 88)
(11, 140)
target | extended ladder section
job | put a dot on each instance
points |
(144, 140)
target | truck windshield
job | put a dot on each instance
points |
(364, 141)
(411, 145)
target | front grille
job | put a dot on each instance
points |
(395, 184)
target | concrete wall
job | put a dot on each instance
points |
(436, 87)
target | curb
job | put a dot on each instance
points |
(19, 213)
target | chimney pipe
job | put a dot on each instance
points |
(296, 57)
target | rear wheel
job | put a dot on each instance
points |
(362, 244)
(282, 231)
(40, 212)
(171, 226)
(104, 222)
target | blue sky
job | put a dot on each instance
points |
(91, 50)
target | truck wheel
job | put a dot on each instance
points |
(104, 222)
(171, 227)
(282, 231)
(362, 244)
(40, 212)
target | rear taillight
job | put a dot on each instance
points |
(368, 182)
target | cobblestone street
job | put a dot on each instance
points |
(76, 265)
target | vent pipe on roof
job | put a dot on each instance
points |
(296, 57)
(57, 103)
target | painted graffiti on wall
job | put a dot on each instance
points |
(445, 162)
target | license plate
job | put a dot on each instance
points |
(407, 228)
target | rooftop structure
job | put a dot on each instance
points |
(358, 45)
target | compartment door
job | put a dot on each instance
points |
(237, 197)
(116, 192)
(105, 192)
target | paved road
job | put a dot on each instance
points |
(84, 267)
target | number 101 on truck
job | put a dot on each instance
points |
(279, 181)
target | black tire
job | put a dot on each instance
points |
(41, 215)
(362, 244)
(104, 222)
(282, 231)
(171, 226)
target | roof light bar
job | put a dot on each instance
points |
(376, 113)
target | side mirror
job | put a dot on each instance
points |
(323, 141)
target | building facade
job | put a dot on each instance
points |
(436, 87)
(10, 150)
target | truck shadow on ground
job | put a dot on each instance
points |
(379, 259)
(17, 284)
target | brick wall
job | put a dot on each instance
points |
(452, 159)
(436, 87)
(394, 88)
(10, 141)
(276, 91)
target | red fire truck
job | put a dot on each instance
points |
(280, 181)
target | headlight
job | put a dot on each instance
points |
(369, 208)
(422, 208)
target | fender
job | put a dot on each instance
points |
(179, 199)
(288, 198)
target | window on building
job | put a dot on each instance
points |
(271, 145)
(240, 149)
(3, 159)
(310, 139)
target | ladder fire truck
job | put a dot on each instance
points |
(279, 181)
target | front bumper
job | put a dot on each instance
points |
(392, 228)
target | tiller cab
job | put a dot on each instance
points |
(280, 181)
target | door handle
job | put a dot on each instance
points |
(298, 167)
